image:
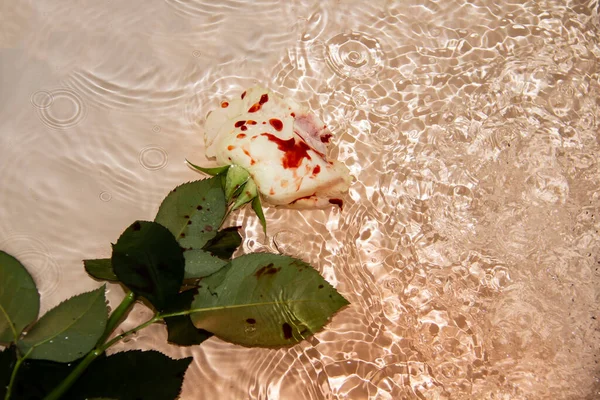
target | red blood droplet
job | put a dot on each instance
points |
(230, 148)
(255, 108)
(277, 124)
(294, 151)
(244, 128)
(303, 198)
(293, 115)
(241, 135)
(316, 170)
(263, 99)
(224, 104)
(337, 202)
(251, 122)
(252, 162)
(325, 138)
(239, 123)
(243, 95)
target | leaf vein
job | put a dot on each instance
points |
(10, 323)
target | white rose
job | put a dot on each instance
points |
(281, 144)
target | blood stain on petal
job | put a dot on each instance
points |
(295, 151)
(276, 124)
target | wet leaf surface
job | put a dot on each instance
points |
(68, 331)
(265, 300)
(149, 261)
(19, 298)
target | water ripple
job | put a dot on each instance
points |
(59, 108)
(354, 55)
(38, 260)
(108, 92)
(153, 158)
(468, 245)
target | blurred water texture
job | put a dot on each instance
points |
(469, 242)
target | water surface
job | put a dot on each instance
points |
(468, 244)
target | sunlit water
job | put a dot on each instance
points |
(468, 244)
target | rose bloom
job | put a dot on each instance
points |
(281, 144)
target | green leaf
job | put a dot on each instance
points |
(209, 171)
(37, 378)
(225, 243)
(149, 261)
(200, 263)
(236, 178)
(100, 269)
(125, 376)
(19, 298)
(257, 207)
(181, 330)
(69, 330)
(101, 398)
(132, 375)
(265, 300)
(223, 179)
(193, 212)
(249, 192)
(8, 358)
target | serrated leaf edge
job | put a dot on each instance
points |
(212, 171)
(101, 290)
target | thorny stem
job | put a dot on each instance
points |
(66, 384)
(123, 335)
(113, 321)
(117, 316)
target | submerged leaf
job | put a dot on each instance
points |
(181, 330)
(100, 269)
(225, 243)
(37, 378)
(200, 263)
(132, 375)
(19, 298)
(265, 300)
(102, 398)
(193, 212)
(69, 330)
(209, 171)
(148, 260)
(8, 358)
